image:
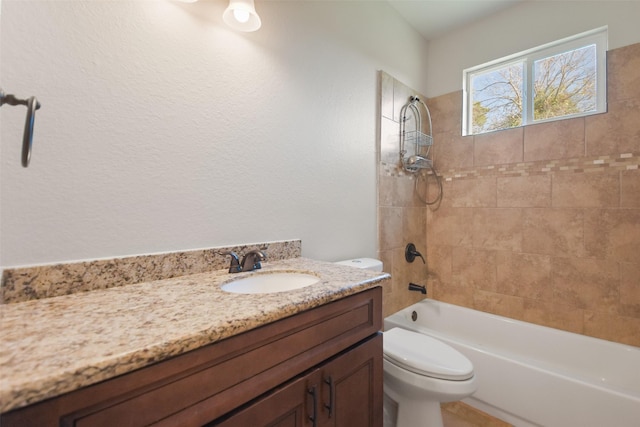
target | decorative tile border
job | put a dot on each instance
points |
(28, 283)
(620, 162)
(613, 162)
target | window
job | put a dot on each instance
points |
(559, 80)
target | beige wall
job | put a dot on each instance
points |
(541, 223)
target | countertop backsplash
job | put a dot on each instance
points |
(37, 282)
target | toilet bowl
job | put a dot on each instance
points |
(421, 372)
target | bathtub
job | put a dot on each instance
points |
(530, 375)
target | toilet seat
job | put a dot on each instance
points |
(424, 355)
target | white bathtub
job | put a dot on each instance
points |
(531, 375)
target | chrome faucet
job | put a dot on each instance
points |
(250, 261)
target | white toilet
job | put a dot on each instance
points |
(420, 372)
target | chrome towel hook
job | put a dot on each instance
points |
(27, 139)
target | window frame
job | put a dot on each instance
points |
(597, 37)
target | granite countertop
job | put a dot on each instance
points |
(56, 345)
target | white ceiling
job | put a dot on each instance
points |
(434, 18)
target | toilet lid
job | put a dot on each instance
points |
(425, 355)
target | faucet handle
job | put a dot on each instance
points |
(410, 253)
(234, 267)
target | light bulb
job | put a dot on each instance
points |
(241, 15)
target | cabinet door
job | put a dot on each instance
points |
(346, 391)
(352, 387)
(291, 405)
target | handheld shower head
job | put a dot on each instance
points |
(416, 162)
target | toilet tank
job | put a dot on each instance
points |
(364, 263)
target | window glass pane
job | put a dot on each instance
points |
(496, 97)
(565, 84)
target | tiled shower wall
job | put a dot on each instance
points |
(402, 218)
(539, 223)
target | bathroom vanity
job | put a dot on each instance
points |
(318, 364)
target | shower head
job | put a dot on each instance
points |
(415, 163)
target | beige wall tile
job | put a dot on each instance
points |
(462, 230)
(614, 328)
(500, 304)
(439, 225)
(386, 190)
(390, 220)
(574, 190)
(554, 140)
(553, 232)
(524, 275)
(474, 193)
(429, 190)
(452, 151)
(524, 191)
(447, 189)
(455, 294)
(617, 131)
(499, 228)
(396, 191)
(421, 187)
(450, 226)
(623, 78)
(497, 148)
(474, 268)
(414, 228)
(389, 141)
(613, 234)
(630, 289)
(439, 263)
(398, 277)
(586, 283)
(446, 113)
(630, 189)
(554, 315)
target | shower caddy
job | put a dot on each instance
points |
(415, 145)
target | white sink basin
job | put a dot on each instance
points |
(267, 282)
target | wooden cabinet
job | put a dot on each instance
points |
(335, 348)
(343, 392)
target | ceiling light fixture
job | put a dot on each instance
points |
(241, 15)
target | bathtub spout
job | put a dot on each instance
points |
(419, 288)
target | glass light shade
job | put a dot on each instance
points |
(241, 15)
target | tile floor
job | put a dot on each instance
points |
(458, 414)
